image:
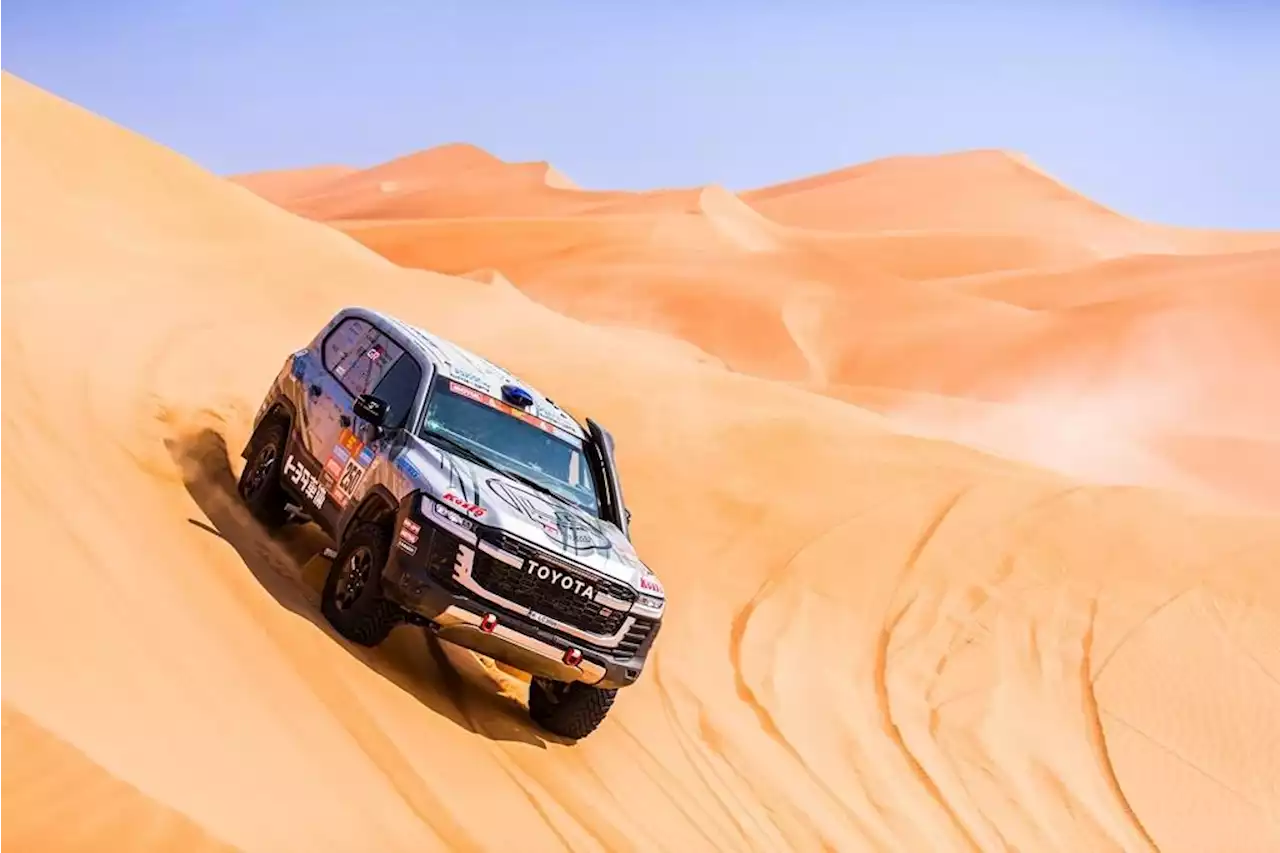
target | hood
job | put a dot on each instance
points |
(500, 502)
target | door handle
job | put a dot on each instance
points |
(344, 420)
(314, 390)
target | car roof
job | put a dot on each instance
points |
(462, 365)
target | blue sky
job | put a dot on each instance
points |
(1167, 111)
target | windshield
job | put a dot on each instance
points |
(512, 441)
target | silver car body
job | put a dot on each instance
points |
(337, 467)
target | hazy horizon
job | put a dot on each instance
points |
(1161, 111)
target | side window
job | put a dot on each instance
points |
(344, 346)
(359, 355)
(398, 387)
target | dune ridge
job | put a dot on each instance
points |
(973, 276)
(876, 641)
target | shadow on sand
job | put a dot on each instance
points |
(289, 565)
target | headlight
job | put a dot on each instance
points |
(652, 602)
(432, 507)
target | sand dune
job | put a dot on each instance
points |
(877, 641)
(283, 186)
(975, 276)
(999, 192)
(466, 179)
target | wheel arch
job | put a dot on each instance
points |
(378, 507)
(281, 409)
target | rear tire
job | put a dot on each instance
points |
(352, 596)
(569, 709)
(259, 485)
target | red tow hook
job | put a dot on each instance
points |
(572, 657)
(488, 623)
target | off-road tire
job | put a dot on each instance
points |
(367, 618)
(572, 710)
(259, 487)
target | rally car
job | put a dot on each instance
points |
(461, 499)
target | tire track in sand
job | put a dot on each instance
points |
(880, 669)
(1097, 735)
(737, 632)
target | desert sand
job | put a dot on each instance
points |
(963, 489)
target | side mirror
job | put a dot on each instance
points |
(628, 511)
(370, 409)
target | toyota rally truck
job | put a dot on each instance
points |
(459, 499)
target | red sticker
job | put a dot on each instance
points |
(494, 403)
(466, 506)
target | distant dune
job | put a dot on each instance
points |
(962, 486)
(286, 185)
(974, 275)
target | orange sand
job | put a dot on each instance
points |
(877, 640)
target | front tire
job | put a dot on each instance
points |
(259, 485)
(352, 596)
(569, 709)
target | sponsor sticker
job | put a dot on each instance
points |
(307, 484)
(346, 466)
(407, 534)
(473, 510)
(403, 463)
(350, 441)
(650, 583)
(406, 547)
(470, 393)
(468, 376)
(412, 526)
(506, 409)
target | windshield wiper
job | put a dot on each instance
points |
(532, 483)
(462, 449)
(505, 471)
(457, 447)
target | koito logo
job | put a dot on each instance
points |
(651, 583)
(564, 580)
(464, 505)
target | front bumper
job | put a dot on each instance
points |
(414, 581)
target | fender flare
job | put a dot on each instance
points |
(377, 504)
(281, 407)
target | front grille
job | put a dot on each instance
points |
(551, 600)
